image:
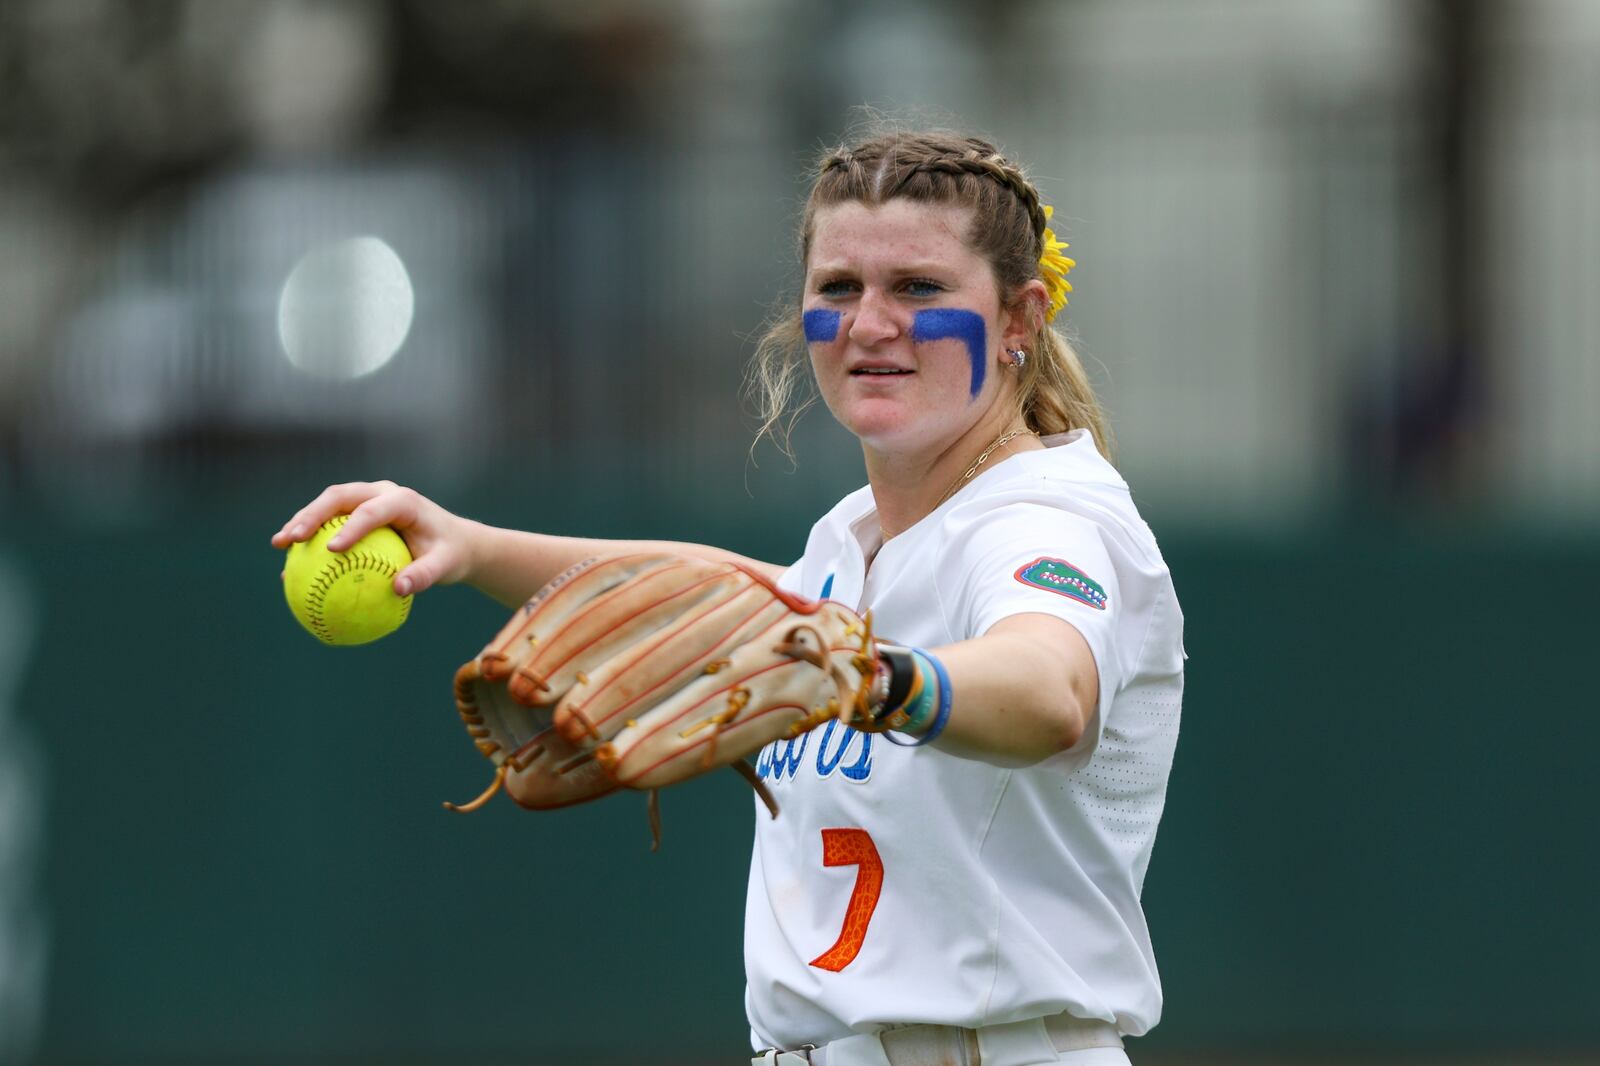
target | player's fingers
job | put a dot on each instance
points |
(333, 500)
(418, 577)
(304, 522)
(393, 507)
(440, 564)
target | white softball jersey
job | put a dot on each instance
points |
(905, 885)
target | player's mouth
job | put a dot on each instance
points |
(879, 371)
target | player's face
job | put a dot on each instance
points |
(903, 322)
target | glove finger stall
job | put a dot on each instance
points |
(764, 694)
(510, 647)
(537, 763)
(552, 605)
(563, 651)
(642, 675)
(543, 775)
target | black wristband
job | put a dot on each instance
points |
(902, 672)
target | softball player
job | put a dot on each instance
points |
(965, 889)
(1006, 898)
(975, 899)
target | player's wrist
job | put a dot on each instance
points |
(478, 544)
(910, 692)
(507, 565)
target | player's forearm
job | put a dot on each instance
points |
(510, 565)
(1015, 702)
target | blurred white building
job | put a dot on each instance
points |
(1261, 284)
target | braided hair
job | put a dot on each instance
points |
(1008, 224)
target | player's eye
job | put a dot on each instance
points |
(835, 288)
(923, 287)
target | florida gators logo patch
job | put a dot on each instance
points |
(1062, 578)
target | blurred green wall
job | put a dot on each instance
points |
(1378, 830)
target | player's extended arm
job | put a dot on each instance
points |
(511, 565)
(1025, 690)
(507, 565)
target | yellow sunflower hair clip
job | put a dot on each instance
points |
(1054, 267)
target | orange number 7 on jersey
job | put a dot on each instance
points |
(852, 847)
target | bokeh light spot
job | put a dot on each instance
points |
(345, 308)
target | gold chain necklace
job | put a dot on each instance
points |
(998, 443)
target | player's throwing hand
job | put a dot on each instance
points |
(440, 542)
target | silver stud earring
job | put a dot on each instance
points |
(1019, 358)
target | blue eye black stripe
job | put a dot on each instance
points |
(941, 323)
(821, 325)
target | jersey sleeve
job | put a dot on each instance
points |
(1031, 558)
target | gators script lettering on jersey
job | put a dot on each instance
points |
(834, 748)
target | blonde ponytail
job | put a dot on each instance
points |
(1056, 394)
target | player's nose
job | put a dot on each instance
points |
(875, 321)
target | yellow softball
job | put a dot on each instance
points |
(347, 597)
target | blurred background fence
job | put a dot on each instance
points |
(1338, 272)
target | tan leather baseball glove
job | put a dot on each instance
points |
(641, 671)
